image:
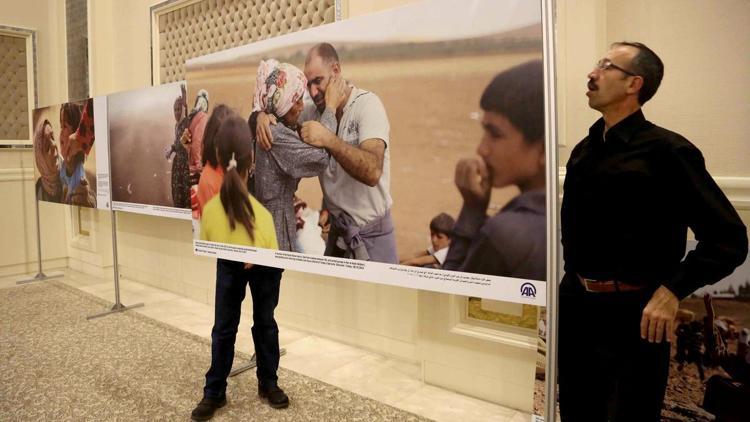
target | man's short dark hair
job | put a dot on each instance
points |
(647, 65)
(325, 51)
(442, 223)
(518, 94)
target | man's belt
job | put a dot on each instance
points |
(607, 286)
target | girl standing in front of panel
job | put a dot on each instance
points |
(236, 217)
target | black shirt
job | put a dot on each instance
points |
(628, 201)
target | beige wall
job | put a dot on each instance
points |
(705, 46)
(47, 18)
(18, 250)
(704, 97)
(352, 8)
(120, 45)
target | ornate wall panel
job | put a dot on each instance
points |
(207, 26)
(14, 84)
(76, 20)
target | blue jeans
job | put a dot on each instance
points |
(231, 282)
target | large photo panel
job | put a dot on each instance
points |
(428, 97)
(70, 153)
(152, 161)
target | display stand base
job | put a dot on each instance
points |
(40, 276)
(116, 308)
(250, 365)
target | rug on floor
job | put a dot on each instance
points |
(56, 365)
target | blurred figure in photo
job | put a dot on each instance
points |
(441, 229)
(512, 243)
(180, 162)
(309, 232)
(48, 162)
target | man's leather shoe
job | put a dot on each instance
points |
(275, 396)
(207, 407)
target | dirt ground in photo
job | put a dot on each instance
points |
(141, 126)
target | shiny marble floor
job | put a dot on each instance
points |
(381, 378)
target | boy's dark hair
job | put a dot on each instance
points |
(648, 66)
(442, 223)
(518, 94)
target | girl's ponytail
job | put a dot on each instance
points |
(236, 200)
(234, 144)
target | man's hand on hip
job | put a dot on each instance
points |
(657, 322)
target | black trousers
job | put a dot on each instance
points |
(231, 282)
(606, 371)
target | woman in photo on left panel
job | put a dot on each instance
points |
(64, 153)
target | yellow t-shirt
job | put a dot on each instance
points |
(215, 226)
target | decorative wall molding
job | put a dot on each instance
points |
(31, 267)
(18, 174)
(459, 324)
(737, 190)
(184, 29)
(18, 113)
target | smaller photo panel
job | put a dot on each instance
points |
(152, 161)
(65, 164)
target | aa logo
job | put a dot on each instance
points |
(528, 290)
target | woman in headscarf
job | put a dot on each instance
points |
(279, 91)
(48, 163)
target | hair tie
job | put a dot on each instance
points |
(232, 163)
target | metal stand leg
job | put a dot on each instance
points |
(40, 275)
(250, 365)
(118, 306)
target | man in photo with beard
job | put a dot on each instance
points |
(632, 190)
(356, 183)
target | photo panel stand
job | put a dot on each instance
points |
(250, 365)
(118, 306)
(553, 238)
(40, 275)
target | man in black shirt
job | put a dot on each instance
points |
(632, 189)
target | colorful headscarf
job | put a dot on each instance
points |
(48, 161)
(278, 87)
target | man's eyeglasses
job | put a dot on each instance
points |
(606, 64)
